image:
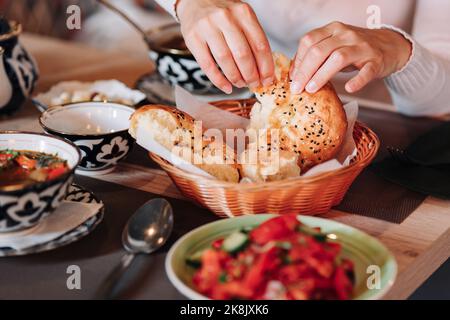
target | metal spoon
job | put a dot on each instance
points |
(146, 231)
(112, 7)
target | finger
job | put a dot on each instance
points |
(339, 60)
(367, 73)
(314, 58)
(312, 38)
(258, 42)
(202, 55)
(222, 54)
(240, 49)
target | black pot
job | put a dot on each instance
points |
(177, 66)
(18, 71)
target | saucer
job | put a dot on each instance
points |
(159, 91)
(76, 194)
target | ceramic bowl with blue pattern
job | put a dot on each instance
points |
(23, 206)
(99, 129)
(174, 62)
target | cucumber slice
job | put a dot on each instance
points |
(195, 259)
(235, 242)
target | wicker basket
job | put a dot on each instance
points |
(305, 195)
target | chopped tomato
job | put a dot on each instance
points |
(26, 162)
(6, 156)
(281, 260)
(301, 290)
(56, 172)
(274, 229)
(294, 272)
(231, 290)
(257, 275)
(217, 244)
(208, 276)
(342, 283)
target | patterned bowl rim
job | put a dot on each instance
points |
(105, 134)
(40, 184)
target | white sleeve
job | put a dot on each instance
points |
(422, 87)
(169, 6)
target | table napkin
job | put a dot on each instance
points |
(432, 148)
(66, 217)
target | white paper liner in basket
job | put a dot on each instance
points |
(144, 138)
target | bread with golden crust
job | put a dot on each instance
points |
(174, 130)
(313, 126)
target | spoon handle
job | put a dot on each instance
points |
(106, 290)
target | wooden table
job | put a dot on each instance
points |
(421, 243)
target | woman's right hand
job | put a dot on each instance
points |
(227, 33)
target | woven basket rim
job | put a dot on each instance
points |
(280, 183)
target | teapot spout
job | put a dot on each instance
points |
(5, 84)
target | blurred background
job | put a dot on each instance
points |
(48, 17)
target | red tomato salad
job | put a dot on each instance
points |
(279, 259)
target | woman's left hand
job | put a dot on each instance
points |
(323, 52)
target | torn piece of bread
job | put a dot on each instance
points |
(175, 130)
(263, 160)
(313, 126)
(268, 167)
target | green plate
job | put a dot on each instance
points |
(371, 258)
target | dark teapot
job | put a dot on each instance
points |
(18, 70)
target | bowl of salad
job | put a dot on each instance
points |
(285, 257)
(35, 173)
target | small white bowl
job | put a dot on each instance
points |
(99, 129)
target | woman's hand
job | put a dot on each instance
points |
(227, 33)
(323, 52)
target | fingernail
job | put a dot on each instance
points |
(267, 82)
(311, 87)
(227, 89)
(254, 85)
(240, 84)
(295, 87)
